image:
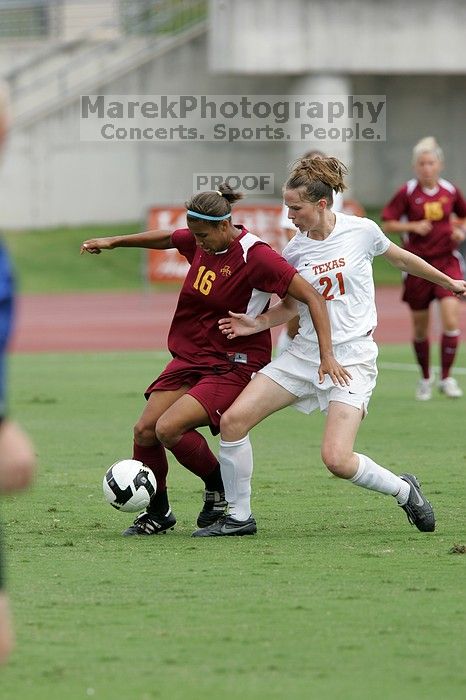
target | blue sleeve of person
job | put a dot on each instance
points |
(6, 317)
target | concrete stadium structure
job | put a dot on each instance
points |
(412, 53)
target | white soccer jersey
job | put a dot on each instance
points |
(340, 268)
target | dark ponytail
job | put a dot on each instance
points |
(214, 203)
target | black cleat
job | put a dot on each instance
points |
(151, 524)
(228, 526)
(418, 509)
(214, 508)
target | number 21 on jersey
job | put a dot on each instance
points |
(327, 283)
(204, 279)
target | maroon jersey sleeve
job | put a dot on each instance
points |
(459, 205)
(397, 206)
(184, 241)
(268, 271)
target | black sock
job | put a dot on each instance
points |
(213, 482)
(159, 504)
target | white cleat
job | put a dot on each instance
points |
(450, 388)
(424, 389)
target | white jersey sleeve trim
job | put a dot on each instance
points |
(259, 299)
(257, 302)
(447, 185)
(411, 185)
(247, 242)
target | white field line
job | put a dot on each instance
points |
(403, 367)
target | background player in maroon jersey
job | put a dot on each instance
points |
(427, 204)
(230, 268)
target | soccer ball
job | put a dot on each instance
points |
(129, 485)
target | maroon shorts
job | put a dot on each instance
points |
(418, 293)
(214, 387)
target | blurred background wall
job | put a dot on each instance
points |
(53, 51)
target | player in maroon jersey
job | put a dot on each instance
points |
(230, 269)
(422, 210)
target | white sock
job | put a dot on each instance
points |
(236, 465)
(376, 478)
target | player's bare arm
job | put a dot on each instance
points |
(305, 292)
(421, 228)
(408, 262)
(157, 240)
(242, 324)
(299, 289)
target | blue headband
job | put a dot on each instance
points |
(207, 218)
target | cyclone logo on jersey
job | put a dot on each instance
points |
(226, 271)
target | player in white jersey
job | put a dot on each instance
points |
(334, 252)
(289, 229)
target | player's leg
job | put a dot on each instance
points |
(450, 316)
(203, 405)
(176, 430)
(6, 631)
(148, 449)
(261, 397)
(421, 345)
(338, 455)
(418, 294)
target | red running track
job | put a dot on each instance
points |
(140, 321)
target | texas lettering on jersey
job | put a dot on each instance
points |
(340, 269)
(328, 266)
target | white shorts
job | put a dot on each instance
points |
(300, 377)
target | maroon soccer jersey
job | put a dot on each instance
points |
(241, 279)
(415, 204)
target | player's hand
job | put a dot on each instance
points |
(238, 325)
(422, 228)
(338, 374)
(458, 235)
(458, 287)
(95, 245)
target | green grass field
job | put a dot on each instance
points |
(49, 261)
(336, 598)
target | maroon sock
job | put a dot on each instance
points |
(193, 452)
(448, 349)
(155, 458)
(422, 352)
